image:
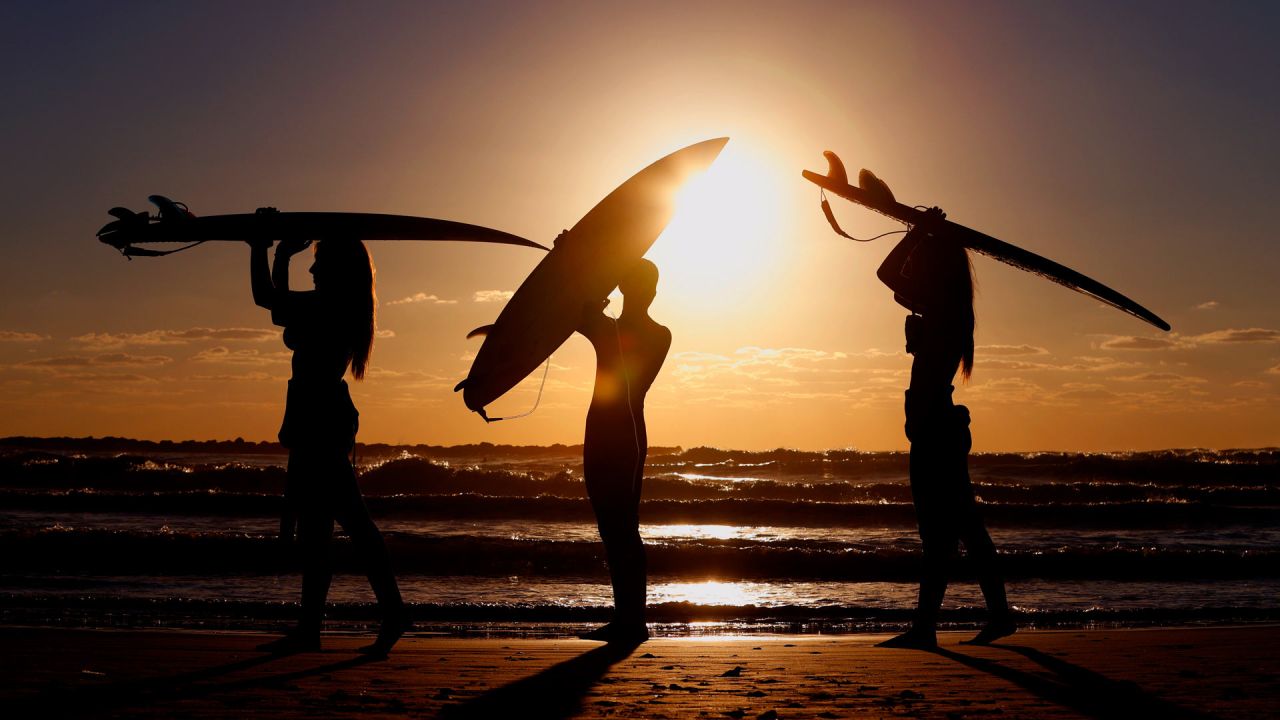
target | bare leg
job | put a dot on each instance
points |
(982, 552)
(371, 551)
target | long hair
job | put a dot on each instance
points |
(352, 274)
(964, 297)
(949, 270)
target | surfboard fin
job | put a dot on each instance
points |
(835, 168)
(868, 181)
(170, 209)
(481, 331)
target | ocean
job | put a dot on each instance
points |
(501, 540)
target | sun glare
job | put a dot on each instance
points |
(708, 592)
(724, 234)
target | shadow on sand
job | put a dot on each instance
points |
(182, 686)
(1071, 686)
(554, 693)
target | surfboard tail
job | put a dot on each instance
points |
(874, 194)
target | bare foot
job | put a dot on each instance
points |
(994, 630)
(913, 639)
(392, 629)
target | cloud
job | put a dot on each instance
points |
(1161, 377)
(107, 377)
(1229, 336)
(176, 337)
(1009, 350)
(1085, 391)
(752, 376)
(1209, 305)
(1273, 370)
(385, 334)
(492, 296)
(252, 376)
(1233, 336)
(106, 360)
(422, 298)
(1130, 342)
(20, 337)
(250, 356)
(998, 364)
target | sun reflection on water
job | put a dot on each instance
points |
(698, 532)
(707, 592)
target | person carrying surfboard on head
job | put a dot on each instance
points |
(629, 352)
(931, 275)
(329, 330)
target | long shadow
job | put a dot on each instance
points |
(1085, 691)
(552, 694)
(181, 686)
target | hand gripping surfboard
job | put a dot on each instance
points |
(878, 198)
(585, 265)
(176, 224)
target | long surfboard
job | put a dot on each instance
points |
(585, 265)
(837, 182)
(133, 229)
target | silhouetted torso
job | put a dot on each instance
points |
(319, 414)
(311, 325)
(629, 354)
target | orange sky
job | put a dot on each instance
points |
(1133, 145)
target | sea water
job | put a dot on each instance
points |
(501, 539)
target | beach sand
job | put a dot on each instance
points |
(1145, 673)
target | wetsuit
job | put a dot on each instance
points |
(319, 430)
(616, 442)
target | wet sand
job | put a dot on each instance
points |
(1156, 673)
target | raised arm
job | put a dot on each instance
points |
(896, 271)
(260, 274)
(594, 323)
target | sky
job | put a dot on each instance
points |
(1134, 142)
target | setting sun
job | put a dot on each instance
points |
(726, 230)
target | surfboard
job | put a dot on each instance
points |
(586, 264)
(176, 224)
(880, 200)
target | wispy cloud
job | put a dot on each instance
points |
(21, 337)
(1208, 305)
(250, 356)
(1246, 335)
(492, 296)
(1009, 350)
(1085, 391)
(105, 360)
(1131, 342)
(1161, 377)
(1229, 336)
(176, 337)
(422, 298)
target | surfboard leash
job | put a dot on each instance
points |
(536, 402)
(831, 218)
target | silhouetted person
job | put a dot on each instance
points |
(629, 353)
(328, 329)
(930, 275)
